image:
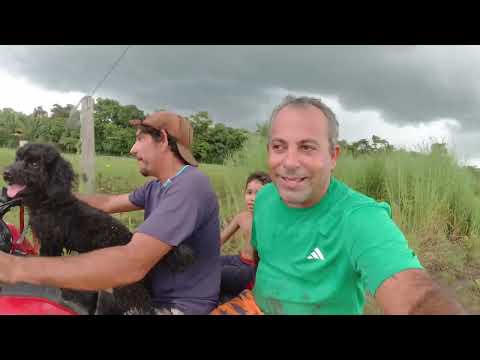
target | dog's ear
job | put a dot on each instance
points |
(61, 174)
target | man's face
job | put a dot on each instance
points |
(146, 151)
(299, 155)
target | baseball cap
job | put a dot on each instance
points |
(176, 126)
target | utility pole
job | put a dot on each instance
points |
(87, 137)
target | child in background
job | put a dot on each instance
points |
(238, 271)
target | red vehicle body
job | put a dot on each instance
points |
(26, 299)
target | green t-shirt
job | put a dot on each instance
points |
(320, 260)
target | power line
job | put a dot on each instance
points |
(111, 69)
(114, 65)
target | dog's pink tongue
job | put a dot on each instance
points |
(13, 190)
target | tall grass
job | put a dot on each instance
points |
(252, 157)
(435, 202)
(237, 167)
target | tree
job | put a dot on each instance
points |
(38, 112)
(212, 143)
(29, 127)
(8, 126)
(108, 111)
(344, 146)
(110, 116)
(379, 144)
(263, 128)
(361, 146)
(439, 149)
(201, 147)
(63, 112)
(118, 140)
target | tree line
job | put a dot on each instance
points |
(213, 141)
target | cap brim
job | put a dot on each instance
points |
(187, 155)
(135, 122)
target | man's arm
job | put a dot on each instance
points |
(100, 269)
(229, 230)
(109, 203)
(413, 292)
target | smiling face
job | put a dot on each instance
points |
(299, 155)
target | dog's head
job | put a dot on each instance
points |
(39, 173)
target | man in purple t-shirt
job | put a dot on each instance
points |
(181, 211)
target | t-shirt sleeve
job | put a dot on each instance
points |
(379, 249)
(137, 197)
(175, 217)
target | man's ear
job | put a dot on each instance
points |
(334, 155)
(164, 142)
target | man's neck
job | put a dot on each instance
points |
(171, 169)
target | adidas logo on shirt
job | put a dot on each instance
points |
(316, 255)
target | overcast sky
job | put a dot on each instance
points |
(409, 95)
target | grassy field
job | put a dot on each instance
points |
(434, 202)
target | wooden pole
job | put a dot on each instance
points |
(87, 137)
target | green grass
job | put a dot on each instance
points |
(435, 202)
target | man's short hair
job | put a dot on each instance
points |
(304, 101)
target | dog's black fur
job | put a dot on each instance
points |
(60, 220)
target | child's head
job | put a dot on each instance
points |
(254, 182)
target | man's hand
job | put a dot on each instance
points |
(414, 292)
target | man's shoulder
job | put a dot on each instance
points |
(348, 199)
(194, 181)
(194, 176)
(195, 187)
(347, 207)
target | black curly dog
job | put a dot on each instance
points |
(44, 180)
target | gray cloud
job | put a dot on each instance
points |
(235, 84)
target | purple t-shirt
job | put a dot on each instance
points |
(185, 211)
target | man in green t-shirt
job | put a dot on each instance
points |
(320, 244)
